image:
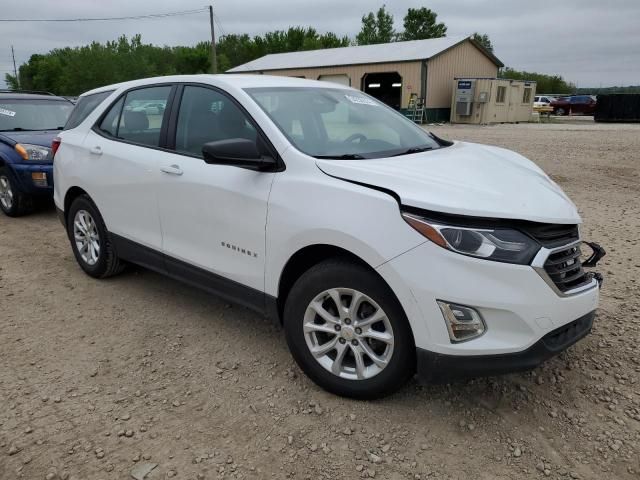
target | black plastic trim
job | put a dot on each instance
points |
(468, 221)
(61, 217)
(438, 368)
(210, 282)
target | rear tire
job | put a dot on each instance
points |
(13, 202)
(363, 360)
(90, 240)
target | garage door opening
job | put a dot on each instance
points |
(386, 87)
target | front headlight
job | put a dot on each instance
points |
(34, 153)
(498, 244)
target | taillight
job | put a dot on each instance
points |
(55, 144)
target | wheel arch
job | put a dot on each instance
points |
(310, 255)
(72, 193)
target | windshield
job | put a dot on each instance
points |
(338, 123)
(33, 114)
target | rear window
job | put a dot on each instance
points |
(84, 107)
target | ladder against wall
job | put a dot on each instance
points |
(415, 110)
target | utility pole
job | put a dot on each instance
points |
(214, 60)
(15, 71)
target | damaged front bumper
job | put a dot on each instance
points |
(597, 252)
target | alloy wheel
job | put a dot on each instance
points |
(86, 236)
(348, 334)
(6, 193)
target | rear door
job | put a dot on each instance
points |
(213, 216)
(124, 152)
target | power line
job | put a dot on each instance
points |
(104, 19)
(219, 23)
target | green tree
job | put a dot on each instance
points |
(544, 83)
(484, 40)
(11, 81)
(71, 71)
(421, 23)
(376, 28)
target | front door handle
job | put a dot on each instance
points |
(96, 150)
(171, 170)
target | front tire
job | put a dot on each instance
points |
(348, 332)
(90, 240)
(13, 202)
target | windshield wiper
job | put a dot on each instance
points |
(344, 156)
(411, 150)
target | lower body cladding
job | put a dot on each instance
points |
(521, 320)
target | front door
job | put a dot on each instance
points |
(515, 98)
(213, 216)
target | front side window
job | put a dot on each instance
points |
(338, 123)
(33, 114)
(207, 115)
(84, 107)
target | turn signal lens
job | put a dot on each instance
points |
(39, 179)
(425, 229)
(21, 151)
(463, 323)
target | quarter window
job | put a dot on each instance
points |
(502, 93)
(84, 107)
(207, 115)
(109, 124)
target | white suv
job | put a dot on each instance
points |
(383, 250)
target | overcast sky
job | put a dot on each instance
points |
(589, 42)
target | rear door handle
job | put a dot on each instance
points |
(171, 170)
(96, 150)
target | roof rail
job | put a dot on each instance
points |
(38, 92)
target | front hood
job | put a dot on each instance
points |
(40, 137)
(464, 179)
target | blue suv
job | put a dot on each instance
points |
(29, 122)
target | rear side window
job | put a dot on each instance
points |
(142, 115)
(84, 107)
(138, 116)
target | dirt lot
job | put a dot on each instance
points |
(98, 378)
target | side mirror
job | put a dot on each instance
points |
(236, 151)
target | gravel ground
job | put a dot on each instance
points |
(102, 379)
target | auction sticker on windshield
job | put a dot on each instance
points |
(8, 113)
(361, 100)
